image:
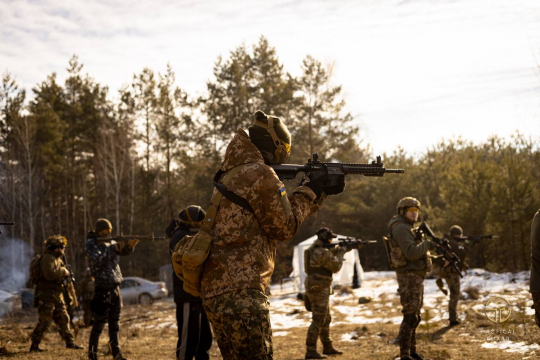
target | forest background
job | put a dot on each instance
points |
(71, 153)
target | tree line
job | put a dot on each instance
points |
(73, 152)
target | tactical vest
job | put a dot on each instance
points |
(314, 270)
(396, 258)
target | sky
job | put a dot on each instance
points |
(413, 71)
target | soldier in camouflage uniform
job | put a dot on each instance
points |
(85, 292)
(242, 256)
(49, 294)
(107, 301)
(535, 266)
(194, 332)
(451, 275)
(321, 263)
(411, 257)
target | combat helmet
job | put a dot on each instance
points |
(405, 203)
(192, 216)
(325, 234)
(103, 224)
(270, 135)
(55, 241)
(456, 230)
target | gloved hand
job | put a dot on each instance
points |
(131, 243)
(316, 184)
(316, 187)
(119, 245)
(337, 188)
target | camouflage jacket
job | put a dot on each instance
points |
(103, 259)
(321, 257)
(50, 288)
(535, 255)
(82, 289)
(414, 251)
(244, 244)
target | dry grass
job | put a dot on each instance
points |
(149, 333)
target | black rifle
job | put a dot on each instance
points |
(314, 169)
(444, 249)
(69, 283)
(350, 243)
(6, 224)
(124, 238)
(476, 238)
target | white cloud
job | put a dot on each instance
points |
(412, 72)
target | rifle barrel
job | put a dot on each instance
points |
(7, 223)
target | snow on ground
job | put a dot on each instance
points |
(511, 346)
(381, 286)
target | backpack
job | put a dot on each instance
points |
(191, 252)
(35, 271)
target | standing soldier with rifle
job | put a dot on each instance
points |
(535, 266)
(102, 252)
(48, 273)
(253, 215)
(451, 275)
(320, 264)
(409, 255)
(194, 333)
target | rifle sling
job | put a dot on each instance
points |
(229, 195)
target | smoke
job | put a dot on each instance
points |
(15, 256)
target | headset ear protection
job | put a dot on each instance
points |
(283, 149)
(191, 222)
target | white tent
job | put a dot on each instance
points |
(343, 277)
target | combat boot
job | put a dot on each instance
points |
(331, 351)
(74, 346)
(119, 356)
(417, 356)
(35, 348)
(314, 355)
(440, 285)
(455, 322)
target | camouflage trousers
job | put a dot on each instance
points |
(49, 312)
(320, 318)
(411, 292)
(454, 285)
(241, 323)
(536, 300)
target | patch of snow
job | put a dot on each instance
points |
(511, 346)
(280, 333)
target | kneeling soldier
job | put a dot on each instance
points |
(320, 264)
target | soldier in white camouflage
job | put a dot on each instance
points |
(242, 256)
(320, 264)
(411, 253)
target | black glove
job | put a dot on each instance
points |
(337, 188)
(316, 187)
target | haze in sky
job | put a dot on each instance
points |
(412, 71)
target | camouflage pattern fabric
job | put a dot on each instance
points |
(411, 292)
(86, 296)
(318, 291)
(49, 288)
(103, 260)
(454, 285)
(244, 244)
(52, 311)
(414, 250)
(241, 323)
(536, 300)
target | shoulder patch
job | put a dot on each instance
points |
(283, 191)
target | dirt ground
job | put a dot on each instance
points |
(150, 333)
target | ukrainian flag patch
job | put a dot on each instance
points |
(283, 191)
